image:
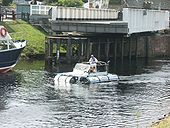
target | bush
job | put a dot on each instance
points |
(6, 2)
(70, 3)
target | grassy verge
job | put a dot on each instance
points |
(22, 30)
(164, 123)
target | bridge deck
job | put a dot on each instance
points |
(90, 26)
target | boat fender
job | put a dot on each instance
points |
(3, 32)
(84, 80)
(73, 80)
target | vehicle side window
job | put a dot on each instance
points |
(101, 68)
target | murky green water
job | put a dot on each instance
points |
(28, 101)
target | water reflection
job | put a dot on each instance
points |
(8, 82)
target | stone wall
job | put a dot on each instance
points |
(154, 46)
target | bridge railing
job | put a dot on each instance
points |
(39, 9)
(72, 13)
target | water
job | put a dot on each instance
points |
(28, 101)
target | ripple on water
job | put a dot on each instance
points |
(27, 100)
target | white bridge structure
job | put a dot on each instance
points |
(127, 21)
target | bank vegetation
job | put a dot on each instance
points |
(163, 123)
(21, 30)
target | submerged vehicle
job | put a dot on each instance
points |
(9, 50)
(86, 73)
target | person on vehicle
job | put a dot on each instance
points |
(92, 69)
(93, 60)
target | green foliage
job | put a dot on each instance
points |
(22, 30)
(115, 2)
(6, 2)
(70, 3)
(50, 1)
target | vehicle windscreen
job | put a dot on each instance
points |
(4, 44)
(82, 67)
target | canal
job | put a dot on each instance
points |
(142, 97)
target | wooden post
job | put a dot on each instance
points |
(88, 49)
(28, 17)
(57, 51)
(130, 41)
(146, 46)
(91, 47)
(122, 49)
(82, 48)
(22, 15)
(107, 49)
(99, 47)
(136, 48)
(48, 54)
(115, 53)
(69, 50)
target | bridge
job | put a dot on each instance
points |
(127, 21)
(106, 33)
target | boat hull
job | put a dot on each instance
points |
(9, 58)
(64, 78)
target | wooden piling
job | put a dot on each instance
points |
(57, 50)
(130, 47)
(88, 50)
(48, 54)
(115, 52)
(99, 47)
(136, 47)
(107, 48)
(146, 46)
(69, 50)
(122, 49)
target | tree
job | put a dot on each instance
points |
(70, 3)
(6, 2)
(50, 1)
(115, 2)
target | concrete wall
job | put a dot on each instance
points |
(159, 46)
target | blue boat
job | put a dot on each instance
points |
(9, 50)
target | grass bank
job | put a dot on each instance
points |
(164, 123)
(22, 30)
